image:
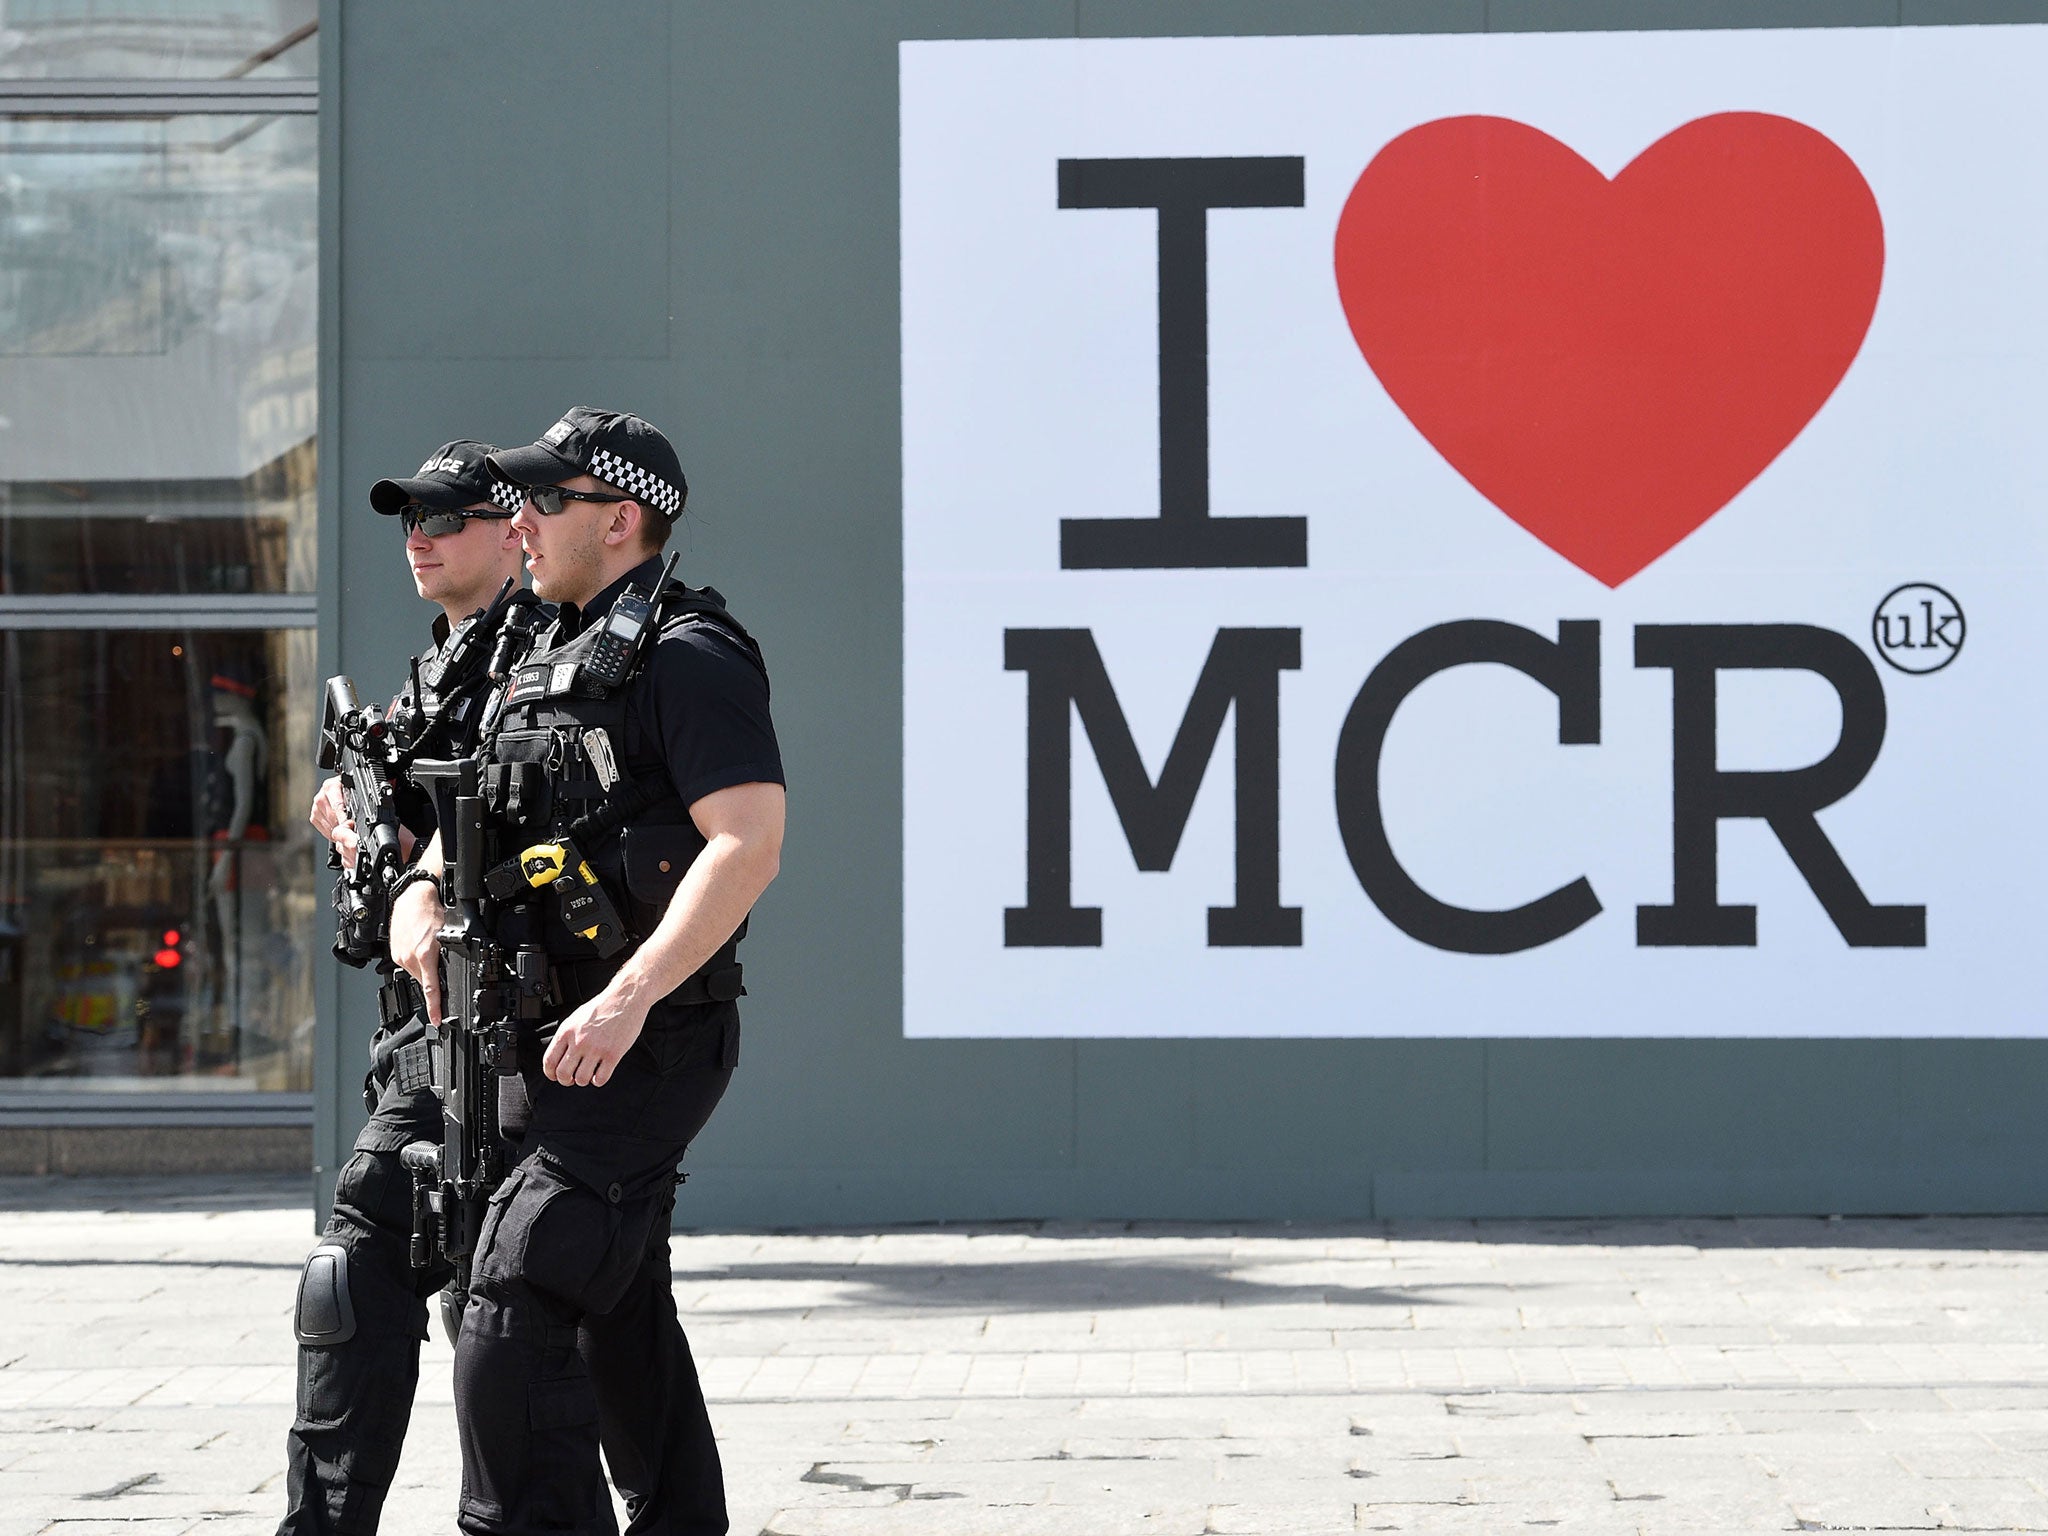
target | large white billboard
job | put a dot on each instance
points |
(1477, 535)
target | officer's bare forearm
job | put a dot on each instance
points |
(742, 856)
(415, 932)
(719, 890)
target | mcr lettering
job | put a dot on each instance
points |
(1240, 680)
(1242, 676)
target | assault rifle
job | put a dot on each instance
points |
(372, 751)
(487, 988)
(357, 742)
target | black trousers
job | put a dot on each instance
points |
(575, 1248)
(355, 1397)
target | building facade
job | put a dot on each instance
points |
(454, 221)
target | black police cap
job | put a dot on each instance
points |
(456, 475)
(617, 447)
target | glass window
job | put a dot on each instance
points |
(136, 536)
(157, 323)
(156, 895)
(159, 916)
(157, 39)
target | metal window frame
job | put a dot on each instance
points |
(47, 1109)
(158, 98)
(165, 610)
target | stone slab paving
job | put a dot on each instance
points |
(1049, 1380)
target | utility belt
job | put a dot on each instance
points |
(572, 983)
(403, 1045)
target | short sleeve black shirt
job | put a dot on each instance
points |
(703, 704)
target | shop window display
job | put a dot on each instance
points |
(155, 904)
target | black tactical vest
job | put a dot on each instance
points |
(441, 709)
(546, 773)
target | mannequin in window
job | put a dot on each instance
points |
(241, 766)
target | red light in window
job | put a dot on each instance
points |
(171, 937)
(169, 959)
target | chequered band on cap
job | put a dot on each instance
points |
(507, 495)
(642, 484)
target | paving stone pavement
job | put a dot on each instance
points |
(1610, 1376)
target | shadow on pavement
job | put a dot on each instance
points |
(1030, 1284)
(1044, 1279)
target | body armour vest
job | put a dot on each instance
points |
(441, 710)
(567, 756)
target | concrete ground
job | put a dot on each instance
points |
(1677, 1376)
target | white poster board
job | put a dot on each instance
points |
(1475, 535)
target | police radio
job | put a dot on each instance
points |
(626, 627)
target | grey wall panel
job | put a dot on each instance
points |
(1233, 18)
(1942, 13)
(1974, 1101)
(1635, 16)
(508, 193)
(1648, 1104)
(1135, 1104)
(1340, 1103)
(741, 291)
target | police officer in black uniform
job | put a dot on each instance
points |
(362, 1308)
(637, 739)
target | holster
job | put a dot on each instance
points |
(397, 1001)
(400, 1044)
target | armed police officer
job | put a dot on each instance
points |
(362, 1308)
(634, 745)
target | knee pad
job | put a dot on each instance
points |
(324, 1314)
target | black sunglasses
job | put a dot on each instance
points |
(437, 522)
(548, 499)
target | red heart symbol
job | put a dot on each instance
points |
(1609, 362)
